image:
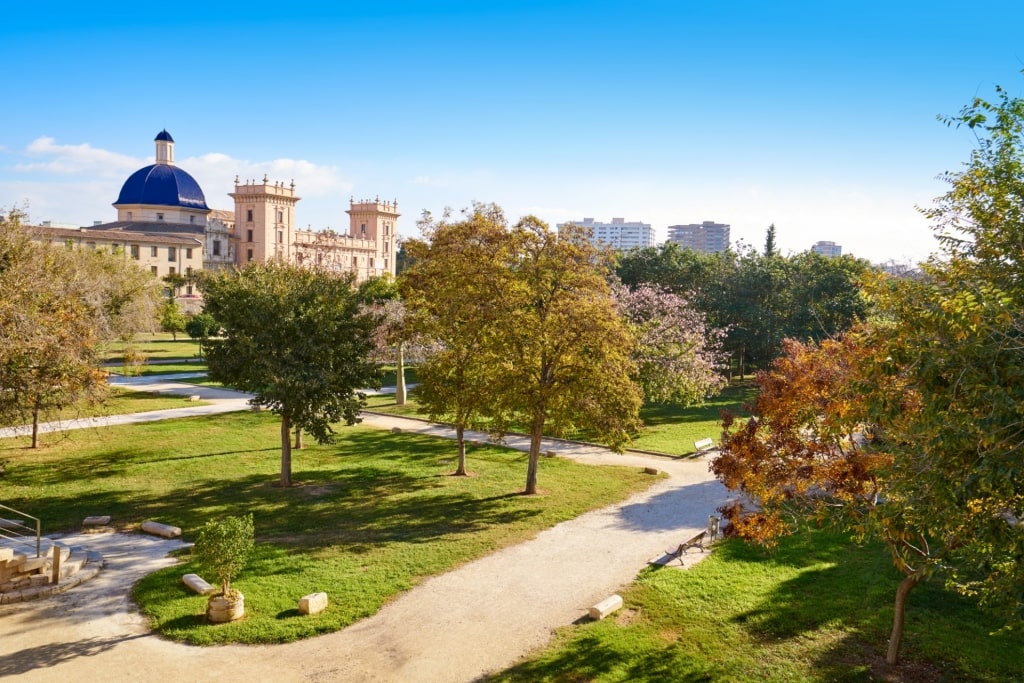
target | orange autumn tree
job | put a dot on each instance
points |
(810, 453)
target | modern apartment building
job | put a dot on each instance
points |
(707, 237)
(829, 249)
(619, 234)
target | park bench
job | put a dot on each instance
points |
(704, 445)
(697, 541)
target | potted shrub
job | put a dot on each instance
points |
(223, 547)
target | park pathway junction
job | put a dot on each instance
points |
(479, 618)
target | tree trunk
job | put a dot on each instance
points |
(298, 438)
(400, 377)
(899, 613)
(460, 432)
(286, 451)
(536, 434)
(35, 427)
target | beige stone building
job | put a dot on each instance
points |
(165, 226)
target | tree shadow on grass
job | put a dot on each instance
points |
(588, 657)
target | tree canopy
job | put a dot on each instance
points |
(57, 307)
(298, 340)
(909, 427)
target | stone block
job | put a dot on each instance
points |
(32, 564)
(650, 470)
(552, 454)
(194, 397)
(396, 430)
(160, 529)
(198, 584)
(39, 580)
(97, 520)
(313, 603)
(605, 607)
(6, 554)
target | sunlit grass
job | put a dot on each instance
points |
(372, 515)
(818, 609)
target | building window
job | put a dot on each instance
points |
(280, 236)
(152, 251)
(362, 228)
(385, 264)
(129, 215)
(135, 251)
(248, 217)
(371, 262)
(216, 247)
(249, 254)
(248, 235)
(188, 290)
(355, 261)
(188, 271)
(188, 252)
(159, 216)
(152, 269)
(280, 216)
(113, 247)
(386, 225)
(172, 255)
(171, 271)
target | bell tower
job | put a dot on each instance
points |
(374, 222)
(264, 221)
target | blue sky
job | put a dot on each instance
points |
(819, 117)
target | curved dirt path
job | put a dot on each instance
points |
(479, 618)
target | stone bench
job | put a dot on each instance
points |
(313, 603)
(160, 529)
(605, 607)
(198, 584)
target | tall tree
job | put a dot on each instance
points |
(769, 242)
(564, 352)
(456, 270)
(57, 306)
(298, 340)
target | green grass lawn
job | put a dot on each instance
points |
(667, 429)
(374, 514)
(156, 346)
(818, 609)
(157, 369)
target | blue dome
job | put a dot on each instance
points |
(163, 135)
(164, 185)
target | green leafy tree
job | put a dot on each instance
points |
(57, 307)
(563, 352)
(223, 546)
(450, 289)
(769, 242)
(202, 326)
(172, 318)
(299, 340)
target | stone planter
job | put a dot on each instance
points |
(221, 609)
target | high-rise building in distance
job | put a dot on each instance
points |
(619, 234)
(707, 237)
(826, 248)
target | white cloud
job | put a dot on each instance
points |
(75, 159)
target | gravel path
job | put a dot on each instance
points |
(481, 617)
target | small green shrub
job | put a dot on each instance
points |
(223, 546)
